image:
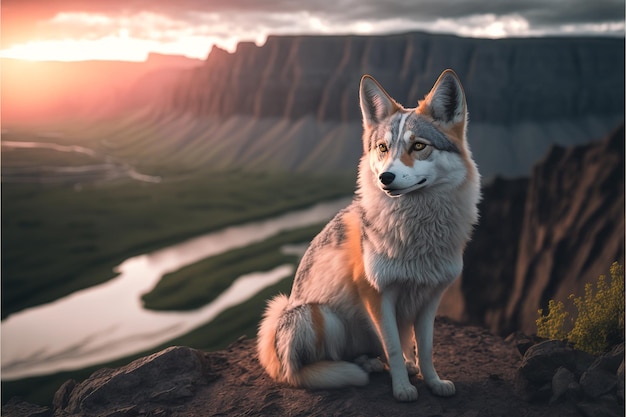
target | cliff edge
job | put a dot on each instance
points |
(180, 381)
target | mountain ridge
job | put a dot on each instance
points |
(523, 95)
(311, 74)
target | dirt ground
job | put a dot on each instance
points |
(483, 367)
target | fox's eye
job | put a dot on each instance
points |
(382, 148)
(418, 146)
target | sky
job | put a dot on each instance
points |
(130, 29)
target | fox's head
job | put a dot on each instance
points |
(413, 149)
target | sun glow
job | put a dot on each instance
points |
(109, 48)
(119, 47)
(88, 36)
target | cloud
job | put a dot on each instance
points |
(203, 23)
(539, 14)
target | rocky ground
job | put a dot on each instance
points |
(184, 382)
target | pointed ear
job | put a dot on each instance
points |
(446, 101)
(376, 104)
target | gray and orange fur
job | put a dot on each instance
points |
(369, 285)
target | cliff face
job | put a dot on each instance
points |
(547, 237)
(573, 225)
(489, 259)
(506, 81)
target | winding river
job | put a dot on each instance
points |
(104, 168)
(108, 321)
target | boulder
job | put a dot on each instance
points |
(153, 383)
(553, 369)
(564, 385)
(542, 360)
(597, 382)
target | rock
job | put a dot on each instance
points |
(542, 360)
(545, 238)
(490, 256)
(602, 376)
(597, 382)
(592, 409)
(538, 368)
(167, 378)
(16, 407)
(582, 361)
(555, 366)
(564, 385)
(610, 361)
(620, 382)
(62, 395)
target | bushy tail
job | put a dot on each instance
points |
(329, 374)
(298, 338)
(266, 339)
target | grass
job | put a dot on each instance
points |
(56, 240)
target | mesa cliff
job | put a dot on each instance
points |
(292, 103)
(506, 81)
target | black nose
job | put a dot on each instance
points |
(386, 178)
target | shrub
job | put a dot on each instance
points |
(599, 315)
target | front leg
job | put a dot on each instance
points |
(407, 340)
(387, 327)
(424, 335)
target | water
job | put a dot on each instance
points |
(108, 321)
(109, 168)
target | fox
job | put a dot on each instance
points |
(366, 291)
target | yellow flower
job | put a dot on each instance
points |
(599, 315)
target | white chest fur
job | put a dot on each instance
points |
(418, 238)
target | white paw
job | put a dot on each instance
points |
(411, 368)
(440, 387)
(404, 393)
(370, 364)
